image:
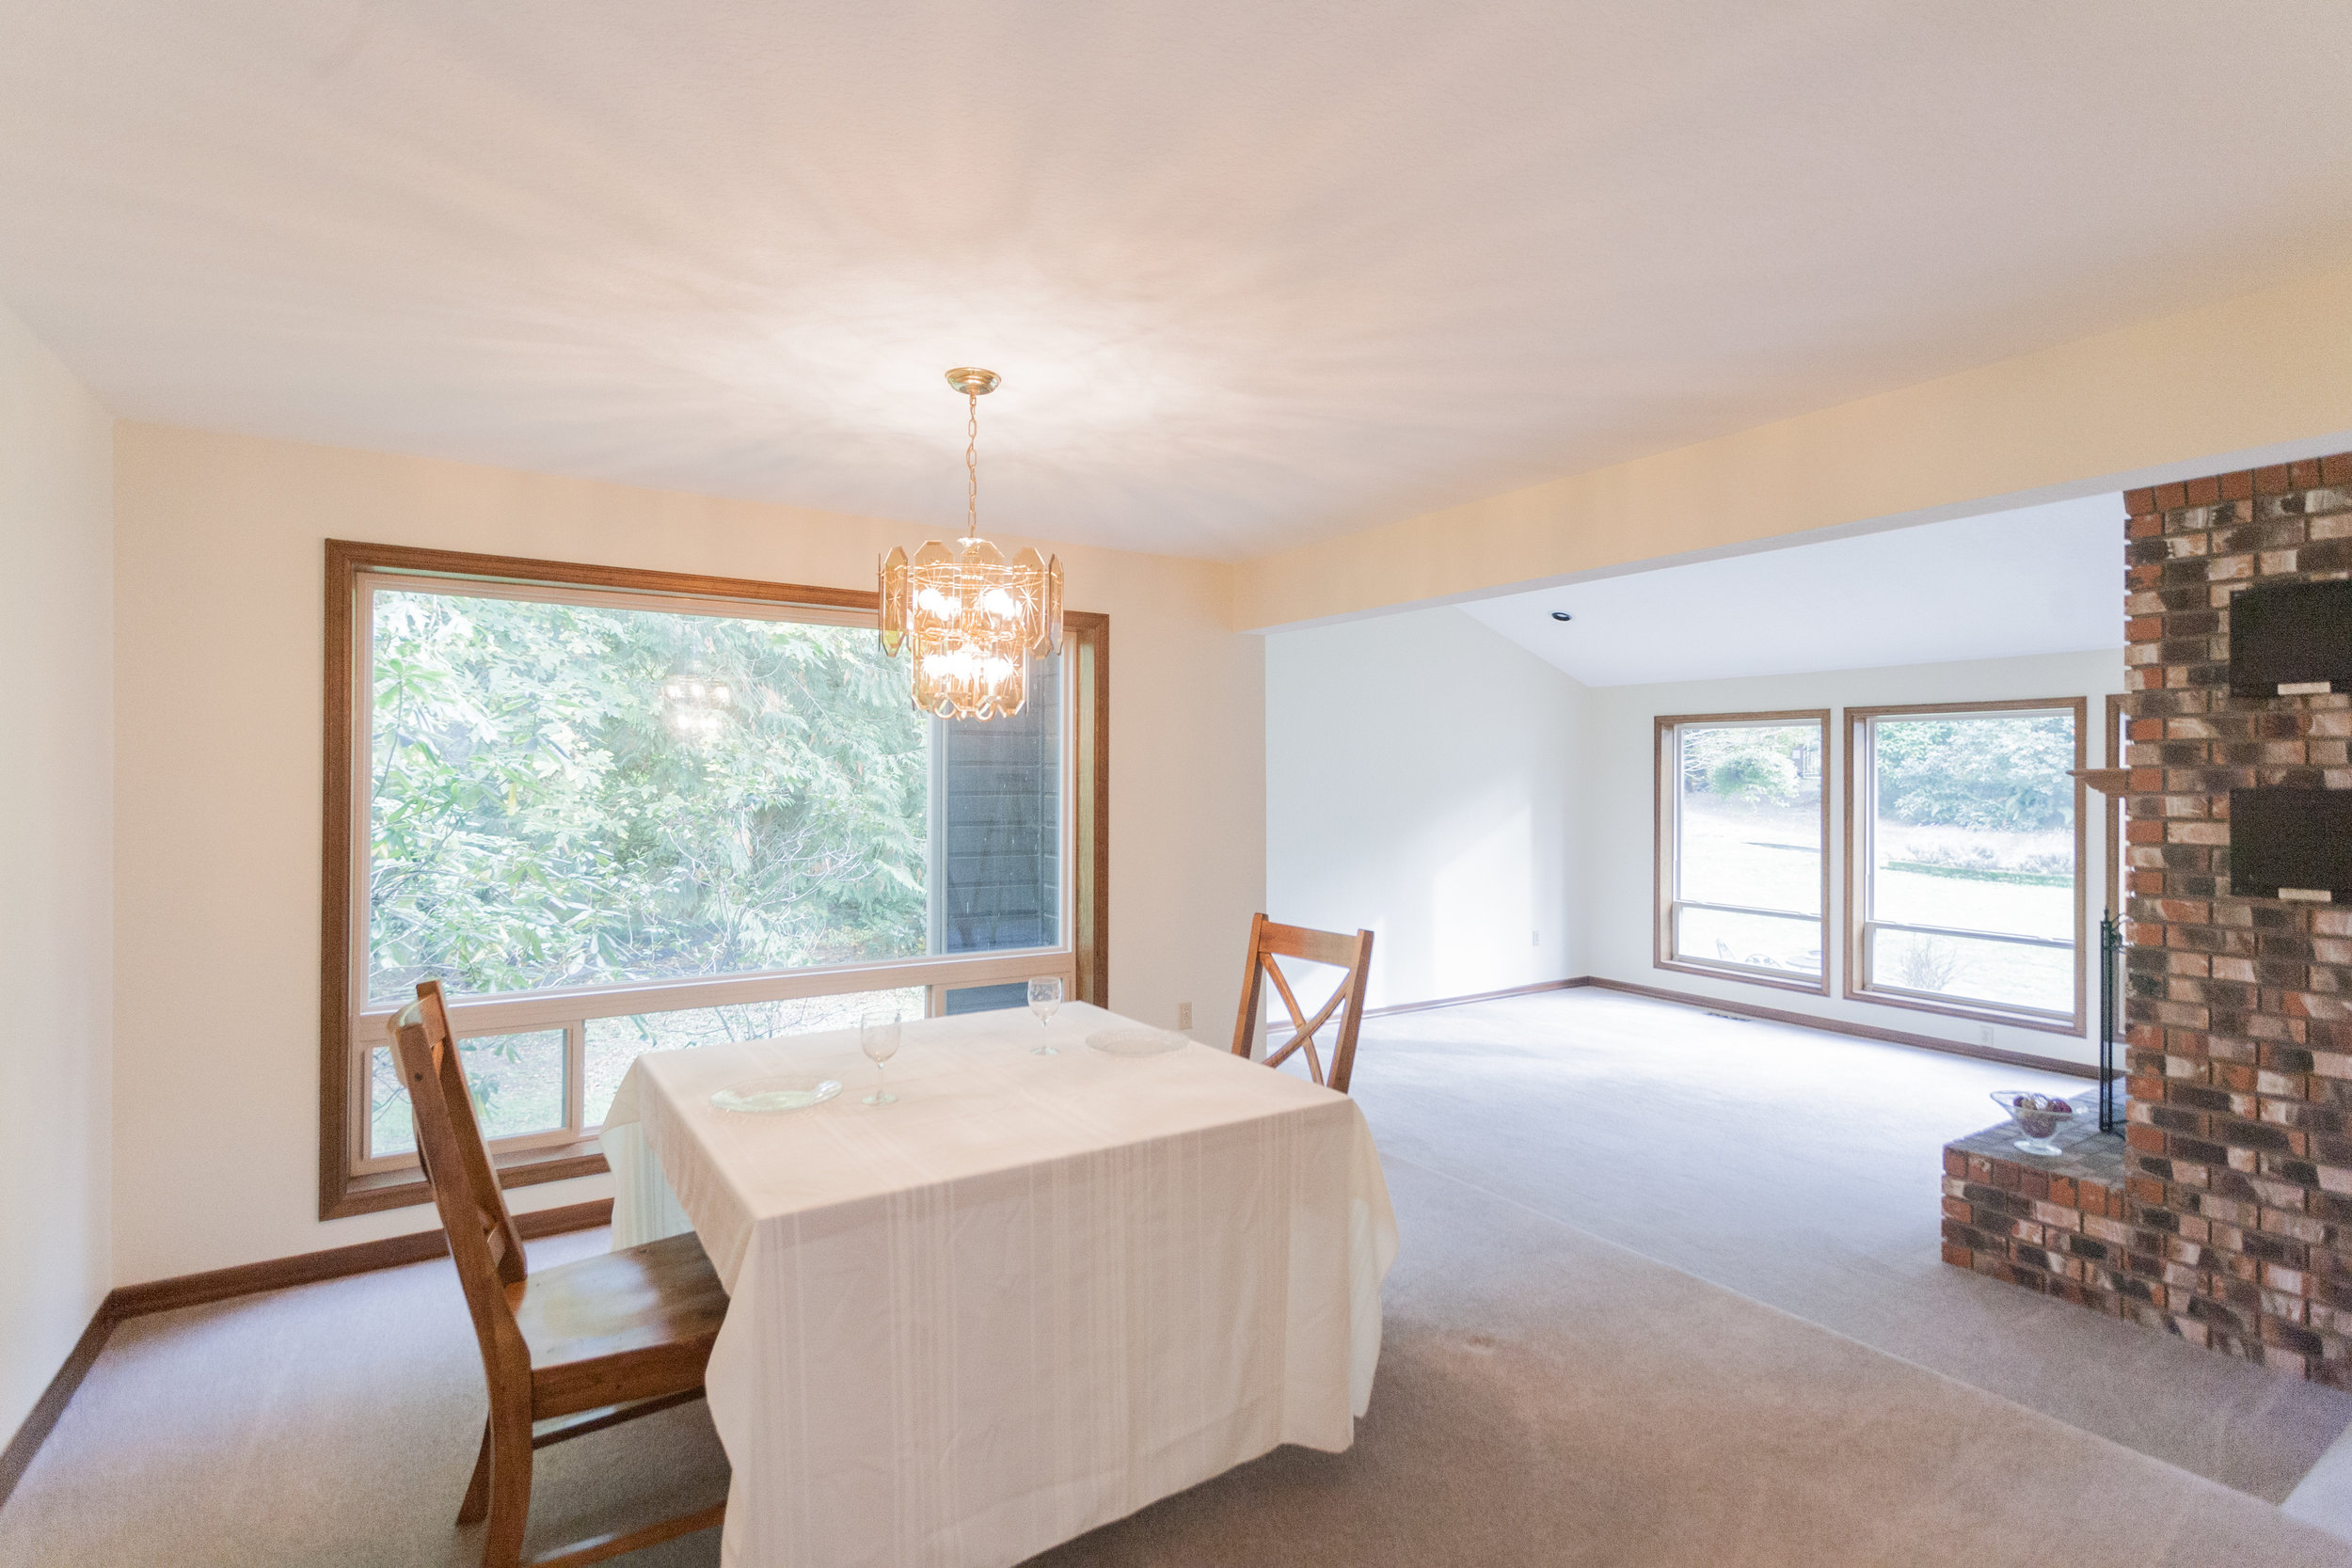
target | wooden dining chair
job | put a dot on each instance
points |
(1268, 941)
(569, 1350)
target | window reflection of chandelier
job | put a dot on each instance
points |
(695, 706)
(971, 617)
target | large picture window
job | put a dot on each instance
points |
(1742, 833)
(1965, 858)
(618, 811)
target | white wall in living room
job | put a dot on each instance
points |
(1432, 780)
(219, 605)
(1621, 831)
(57, 792)
(1421, 781)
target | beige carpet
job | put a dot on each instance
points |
(1800, 1168)
(1548, 1398)
(1545, 1397)
(331, 1425)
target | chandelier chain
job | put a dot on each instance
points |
(972, 470)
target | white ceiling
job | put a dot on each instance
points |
(1254, 274)
(2041, 579)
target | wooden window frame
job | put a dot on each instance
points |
(1667, 836)
(1857, 920)
(345, 1188)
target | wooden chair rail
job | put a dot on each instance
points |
(596, 1549)
(562, 1429)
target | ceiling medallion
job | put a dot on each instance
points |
(971, 617)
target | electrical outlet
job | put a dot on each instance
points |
(1535, 938)
(1984, 1033)
(1183, 1015)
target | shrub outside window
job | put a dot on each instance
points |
(1965, 858)
(1742, 880)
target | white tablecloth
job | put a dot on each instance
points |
(1033, 1296)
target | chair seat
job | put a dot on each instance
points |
(628, 1325)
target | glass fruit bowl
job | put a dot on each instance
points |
(2037, 1116)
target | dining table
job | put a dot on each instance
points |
(1030, 1297)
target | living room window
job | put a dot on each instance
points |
(1964, 854)
(1742, 878)
(615, 811)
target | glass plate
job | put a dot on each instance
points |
(1137, 1042)
(767, 1097)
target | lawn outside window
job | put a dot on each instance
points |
(1741, 888)
(1964, 848)
(617, 811)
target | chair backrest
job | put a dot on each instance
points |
(1268, 941)
(483, 1241)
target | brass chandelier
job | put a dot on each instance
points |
(971, 617)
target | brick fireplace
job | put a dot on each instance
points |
(2227, 1215)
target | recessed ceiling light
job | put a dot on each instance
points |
(1562, 615)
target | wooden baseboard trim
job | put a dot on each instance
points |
(1745, 1010)
(18, 1456)
(275, 1273)
(246, 1280)
(1839, 1026)
(1395, 1007)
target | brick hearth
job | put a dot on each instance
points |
(2065, 1225)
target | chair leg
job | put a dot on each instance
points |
(477, 1501)
(510, 1488)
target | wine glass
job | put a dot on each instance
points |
(878, 1037)
(1044, 997)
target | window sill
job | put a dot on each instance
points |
(1745, 976)
(2040, 1023)
(404, 1189)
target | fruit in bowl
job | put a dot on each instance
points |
(2037, 1116)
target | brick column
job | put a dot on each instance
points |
(2239, 1009)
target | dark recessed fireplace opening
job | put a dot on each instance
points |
(2291, 844)
(2290, 639)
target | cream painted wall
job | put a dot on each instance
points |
(218, 680)
(1423, 781)
(2252, 380)
(1620, 832)
(56, 844)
